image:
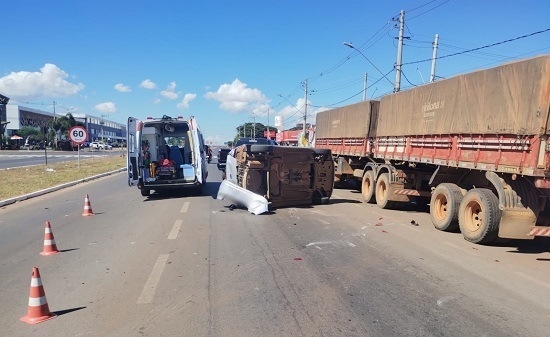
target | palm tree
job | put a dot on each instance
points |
(62, 125)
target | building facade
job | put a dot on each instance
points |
(16, 117)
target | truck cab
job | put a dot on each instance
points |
(165, 154)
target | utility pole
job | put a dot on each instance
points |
(268, 135)
(53, 121)
(434, 57)
(365, 88)
(305, 113)
(397, 86)
(102, 123)
(253, 135)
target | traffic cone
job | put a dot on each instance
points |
(38, 305)
(87, 207)
(50, 247)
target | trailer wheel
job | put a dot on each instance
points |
(145, 193)
(383, 191)
(479, 216)
(444, 206)
(368, 186)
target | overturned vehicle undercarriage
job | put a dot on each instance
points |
(283, 175)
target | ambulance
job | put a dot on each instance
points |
(166, 154)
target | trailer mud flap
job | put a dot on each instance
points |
(516, 223)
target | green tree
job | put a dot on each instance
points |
(246, 130)
(62, 125)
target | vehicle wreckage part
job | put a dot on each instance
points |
(253, 202)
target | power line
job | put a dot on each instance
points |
(483, 47)
(359, 93)
(429, 10)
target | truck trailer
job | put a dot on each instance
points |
(474, 146)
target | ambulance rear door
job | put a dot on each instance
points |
(133, 151)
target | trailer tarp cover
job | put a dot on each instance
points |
(508, 99)
(347, 122)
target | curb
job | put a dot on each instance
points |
(56, 188)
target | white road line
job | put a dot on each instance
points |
(175, 230)
(320, 243)
(184, 207)
(460, 248)
(151, 285)
(533, 279)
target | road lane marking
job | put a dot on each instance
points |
(527, 277)
(460, 248)
(320, 243)
(151, 285)
(184, 207)
(175, 230)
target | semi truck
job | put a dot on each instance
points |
(475, 147)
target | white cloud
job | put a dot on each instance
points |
(122, 88)
(50, 81)
(107, 107)
(170, 91)
(148, 84)
(236, 97)
(156, 100)
(187, 98)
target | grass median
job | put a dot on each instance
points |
(19, 181)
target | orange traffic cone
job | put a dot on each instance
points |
(38, 305)
(87, 207)
(50, 247)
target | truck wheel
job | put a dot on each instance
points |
(367, 187)
(479, 216)
(383, 191)
(444, 206)
(145, 193)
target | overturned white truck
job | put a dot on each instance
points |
(283, 175)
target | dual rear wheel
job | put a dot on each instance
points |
(475, 213)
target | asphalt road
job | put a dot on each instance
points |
(188, 265)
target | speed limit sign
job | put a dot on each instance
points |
(78, 134)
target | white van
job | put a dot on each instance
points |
(166, 153)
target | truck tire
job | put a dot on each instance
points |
(383, 192)
(367, 187)
(479, 216)
(145, 193)
(444, 205)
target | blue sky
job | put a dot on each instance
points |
(230, 62)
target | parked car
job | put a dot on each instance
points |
(100, 146)
(65, 145)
